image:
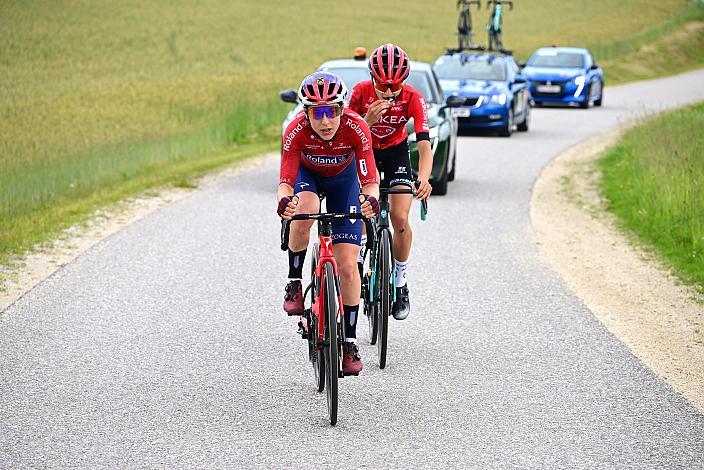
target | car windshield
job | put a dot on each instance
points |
(421, 82)
(350, 75)
(418, 80)
(478, 68)
(557, 59)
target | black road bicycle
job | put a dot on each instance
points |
(465, 34)
(378, 284)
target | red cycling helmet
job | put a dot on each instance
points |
(322, 88)
(389, 64)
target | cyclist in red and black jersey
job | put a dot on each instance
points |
(327, 149)
(387, 104)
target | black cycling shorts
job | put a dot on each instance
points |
(394, 163)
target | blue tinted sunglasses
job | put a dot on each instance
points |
(319, 112)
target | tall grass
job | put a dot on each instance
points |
(654, 183)
(97, 95)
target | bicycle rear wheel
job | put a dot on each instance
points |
(315, 353)
(384, 299)
(330, 351)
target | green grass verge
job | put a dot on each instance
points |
(653, 180)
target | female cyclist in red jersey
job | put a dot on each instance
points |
(387, 104)
(327, 150)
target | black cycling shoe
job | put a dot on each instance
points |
(402, 306)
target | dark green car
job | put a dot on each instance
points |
(443, 126)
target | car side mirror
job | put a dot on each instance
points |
(289, 96)
(521, 65)
(454, 101)
(519, 79)
(594, 67)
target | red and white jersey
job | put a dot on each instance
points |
(352, 141)
(391, 128)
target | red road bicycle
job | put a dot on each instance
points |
(322, 323)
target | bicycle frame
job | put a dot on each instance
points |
(325, 255)
(381, 224)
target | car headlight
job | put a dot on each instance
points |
(579, 81)
(498, 99)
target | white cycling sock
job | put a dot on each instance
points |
(360, 258)
(400, 267)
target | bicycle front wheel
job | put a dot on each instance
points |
(384, 298)
(330, 351)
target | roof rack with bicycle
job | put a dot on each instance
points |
(465, 34)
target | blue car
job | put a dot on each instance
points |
(496, 95)
(565, 75)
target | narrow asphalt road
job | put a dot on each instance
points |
(165, 345)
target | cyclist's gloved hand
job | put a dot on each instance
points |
(287, 207)
(370, 205)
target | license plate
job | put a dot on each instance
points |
(460, 112)
(548, 88)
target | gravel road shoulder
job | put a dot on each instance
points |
(628, 289)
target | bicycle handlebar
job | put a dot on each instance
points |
(500, 2)
(286, 225)
(423, 202)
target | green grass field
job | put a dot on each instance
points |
(654, 182)
(103, 99)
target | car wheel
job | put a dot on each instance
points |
(601, 95)
(508, 128)
(440, 186)
(451, 175)
(587, 96)
(523, 127)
